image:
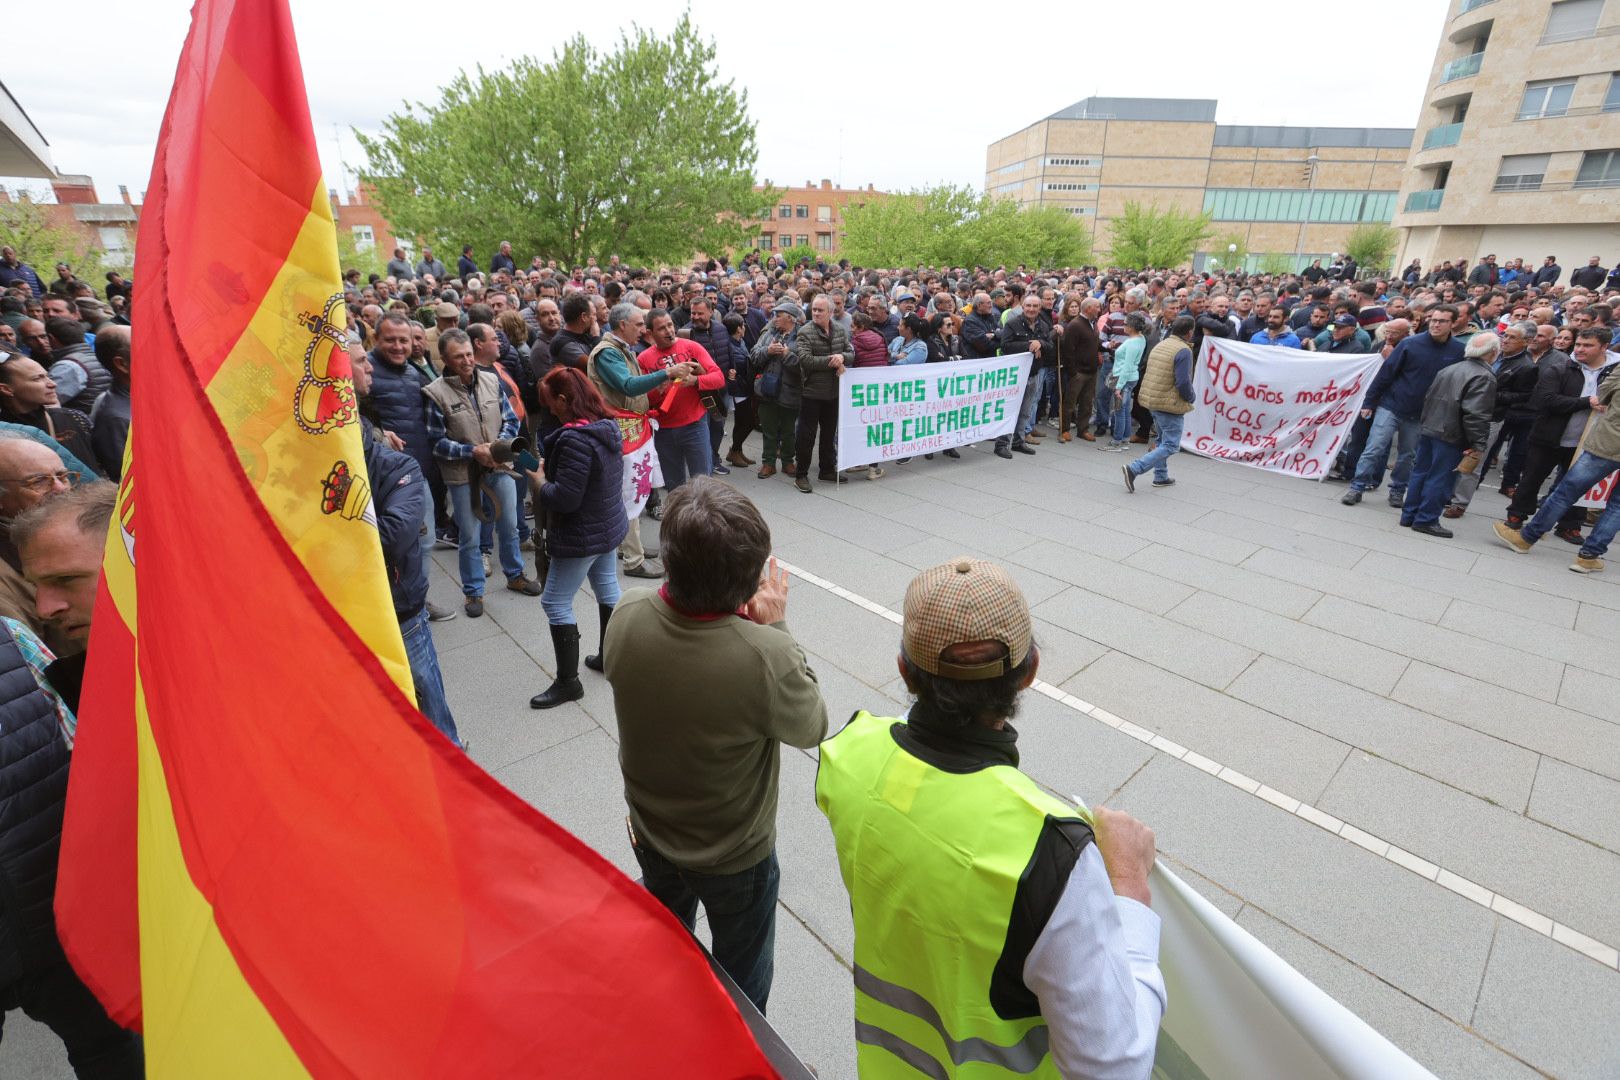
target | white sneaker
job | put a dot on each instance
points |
(489, 564)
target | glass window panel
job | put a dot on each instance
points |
(1572, 19)
(1612, 102)
(1600, 168)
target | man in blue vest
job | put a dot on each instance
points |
(996, 926)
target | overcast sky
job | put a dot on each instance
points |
(901, 95)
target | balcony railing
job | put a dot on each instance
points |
(1470, 5)
(1444, 135)
(1462, 69)
(1420, 201)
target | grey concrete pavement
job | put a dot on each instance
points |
(1449, 698)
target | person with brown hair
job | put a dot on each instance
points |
(583, 498)
(707, 682)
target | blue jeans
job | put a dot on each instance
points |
(566, 575)
(1387, 428)
(425, 674)
(1170, 426)
(1433, 479)
(1587, 470)
(1102, 412)
(1122, 414)
(741, 909)
(1039, 380)
(683, 452)
(504, 487)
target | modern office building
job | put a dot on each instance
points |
(1291, 191)
(1517, 150)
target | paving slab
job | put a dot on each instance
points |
(1591, 693)
(1357, 585)
(1427, 941)
(1440, 1044)
(1529, 863)
(1552, 1007)
(1210, 659)
(1498, 596)
(1449, 752)
(1579, 802)
(1232, 582)
(1272, 749)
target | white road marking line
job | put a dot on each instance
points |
(1603, 953)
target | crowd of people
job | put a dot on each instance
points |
(532, 417)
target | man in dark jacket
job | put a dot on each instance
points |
(78, 375)
(1590, 276)
(400, 501)
(1395, 404)
(1485, 273)
(1548, 274)
(981, 329)
(1515, 371)
(821, 352)
(1566, 391)
(1456, 421)
(502, 259)
(1028, 331)
(706, 328)
(61, 543)
(1080, 351)
(465, 266)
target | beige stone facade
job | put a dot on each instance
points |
(1517, 148)
(1095, 156)
(810, 215)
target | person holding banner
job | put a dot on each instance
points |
(1456, 431)
(1042, 955)
(819, 354)
(1167, 392)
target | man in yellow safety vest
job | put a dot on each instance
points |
(999, 930)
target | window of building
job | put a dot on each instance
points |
(1521, 172)
(1071, 162)
(784, 211)
(823, 213)
(824, 241)
(766, 241)
(1080, 209)
(1071, 187)
(1005, 169)
(114, 239)
(1572, 19)
(801, 211)
(1611, 103)
(1600, 168)
(804, 241)
(1016, 185)
(1271, 204)
(1550, 98)
(363, 238)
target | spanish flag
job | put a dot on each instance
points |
(272, 863)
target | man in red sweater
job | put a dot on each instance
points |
(682, 439)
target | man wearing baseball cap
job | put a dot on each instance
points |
(996, 925)
(1343, 335)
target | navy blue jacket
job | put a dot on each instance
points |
(33, 790)
(396, 391)
(401, 507)
(1405, 377)
(583, 496)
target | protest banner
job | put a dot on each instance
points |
(894, 412)
(1282, 410)
(1237, 1010)
(1597, 496)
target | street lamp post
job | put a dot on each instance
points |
(1310, 197)
(1231, 254)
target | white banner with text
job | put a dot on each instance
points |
(1283, 410)
(894, 412)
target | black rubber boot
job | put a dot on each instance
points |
(565, 643)
(604, 613)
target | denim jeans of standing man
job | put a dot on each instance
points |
(684, 452)
(1587, 470)
(1433, 479)
(1170, 427)
(1387, 430)
(742, 914)
(426, 676)
(503, 489)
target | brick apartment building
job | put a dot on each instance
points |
(108, 227)
(812, 216)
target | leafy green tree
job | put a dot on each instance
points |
(1275, 263)
(642, 152)
(1145, 236)
(1372, 244)
(957, 226)
(39, 242)
(792, 255)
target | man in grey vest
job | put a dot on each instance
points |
(466, 412)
